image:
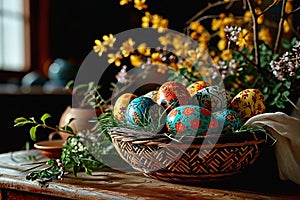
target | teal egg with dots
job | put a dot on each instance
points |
(188, 120)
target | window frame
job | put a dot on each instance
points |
(36, 32)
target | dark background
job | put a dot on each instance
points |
(67, 29)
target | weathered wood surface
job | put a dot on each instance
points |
(112, 184)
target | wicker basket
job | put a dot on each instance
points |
(191, 160)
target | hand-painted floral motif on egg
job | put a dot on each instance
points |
(188, 120)
(213, 98)
(144, 112)
(193, 88)
(228, 120)
(152, 95)
(172, 94)
(248, 102)
(121, 104)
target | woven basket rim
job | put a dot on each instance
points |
(186, 162)
(146, 138)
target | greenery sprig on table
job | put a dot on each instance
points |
(75, 156)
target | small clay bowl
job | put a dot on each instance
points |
(50, 148)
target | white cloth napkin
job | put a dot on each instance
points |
(286, 129)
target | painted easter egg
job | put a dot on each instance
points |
(172, 94)
(213, 98)
(144, 112)
(194, 87)
(152, 95)
(121, 104)
(228, 120)
(248, 102)
(229, 97)
(188, 120)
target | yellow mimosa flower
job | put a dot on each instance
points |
(109, 40)
(140, 4)
(136, 60)
(164, 40)
(194, 25)
(114, 58)
(127, 47)
(222, 44)
(215, 24)
(123, 2)
(265, 35)
(260, 19)
(143, 49)
(226, 55)
(247, 16)
(286, 27)
(288, 6)
(99, 47)
(222, 33)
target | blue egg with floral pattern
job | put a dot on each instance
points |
(230, 119)
(144, 112)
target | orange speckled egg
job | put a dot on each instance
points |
(248, 102)
(121, 105)
(194, 87)
(172, 94)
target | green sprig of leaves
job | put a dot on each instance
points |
(22, 121)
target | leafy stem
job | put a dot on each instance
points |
(21, 121)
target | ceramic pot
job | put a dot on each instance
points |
(82, 120)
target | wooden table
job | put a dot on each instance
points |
(113, 184)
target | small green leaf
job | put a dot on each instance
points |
(288, 84)
(44, 117)
(286, 44)
(275, 90)
(32, 132)
(19, 124)
(69, 85)
(70, 120)
(20, 119)
(68, 129)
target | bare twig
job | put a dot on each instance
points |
(255, 32)
(280, 25)
(212, 5)
(268, 8)
(293, 11)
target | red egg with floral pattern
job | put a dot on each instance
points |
(172, 94)
(188, 120)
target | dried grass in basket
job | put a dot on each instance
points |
(190, 159)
